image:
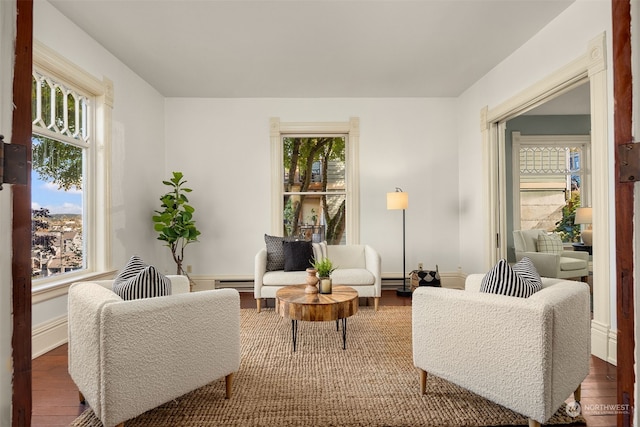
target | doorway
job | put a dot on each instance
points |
(589, 69)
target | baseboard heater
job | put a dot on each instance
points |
(247, 285)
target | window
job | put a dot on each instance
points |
(553, 180)
(60, 146)
(314, 188)
(315, 183)
(68, 181)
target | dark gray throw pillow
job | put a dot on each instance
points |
(298, 255)
(275, 252)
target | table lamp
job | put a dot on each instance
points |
(584, 216)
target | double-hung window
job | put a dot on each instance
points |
(315, 181)
(68, 180)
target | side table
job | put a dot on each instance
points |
(582, 247)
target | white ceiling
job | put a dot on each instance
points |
(311, 48)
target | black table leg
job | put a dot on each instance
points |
(294, 332)
(337, 323)
(344, 333)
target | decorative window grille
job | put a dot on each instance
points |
(59, 110)
(545, 160)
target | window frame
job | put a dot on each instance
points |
(583, 141)
(96, 189)
(351, 131)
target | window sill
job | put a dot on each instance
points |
(56, 287)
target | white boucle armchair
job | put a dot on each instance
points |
(127, 357)
(527, 354)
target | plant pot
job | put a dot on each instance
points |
(325, 285)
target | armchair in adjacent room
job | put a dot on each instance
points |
(127, 357)
(554, 261)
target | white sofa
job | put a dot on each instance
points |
(357, 266)
(127, 357)
(527, 354)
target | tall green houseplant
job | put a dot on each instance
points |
(174, 223)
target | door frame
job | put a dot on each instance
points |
(589, 67)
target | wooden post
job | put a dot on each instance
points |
(624, 192)
(21, 235)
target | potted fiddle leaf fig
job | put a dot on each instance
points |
(174, 222)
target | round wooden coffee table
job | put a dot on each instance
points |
(293, 303)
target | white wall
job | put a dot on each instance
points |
(7, 38)
(137, 149)
(222, 146)
(563, 40)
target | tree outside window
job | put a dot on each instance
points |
(314, 188)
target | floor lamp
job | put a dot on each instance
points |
(400, 200)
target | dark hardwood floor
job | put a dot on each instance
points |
(55, 396)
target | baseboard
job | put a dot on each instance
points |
(245, 283)
(600, 340)
(48, 336)
(613, 348)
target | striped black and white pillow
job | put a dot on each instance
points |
(522, 280)
(147, 283)
(134, 266)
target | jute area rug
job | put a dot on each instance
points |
(371, 383)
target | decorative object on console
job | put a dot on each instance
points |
(585, 216)
(400, 200)
(422, 277)
(174, 223)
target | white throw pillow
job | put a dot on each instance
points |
(550, 243)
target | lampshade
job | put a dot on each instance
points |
(397, 200)
(583, 216)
